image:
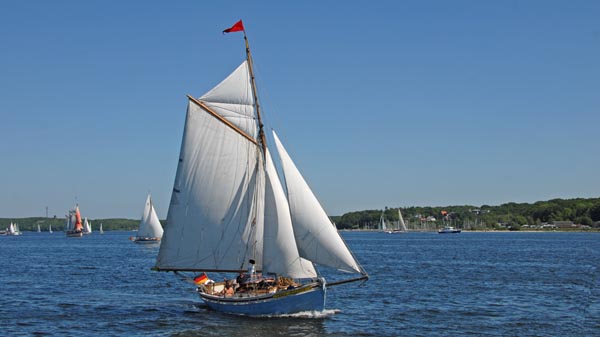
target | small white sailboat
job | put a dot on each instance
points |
(150, 230)
(229, 212)
(50, 229)
(87, 227)
(401, 225)
(101, 230)
(13, 229)
(39, 230)
(74, 228)
(382, 222)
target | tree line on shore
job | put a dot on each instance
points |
(580, 211)
(58, 224)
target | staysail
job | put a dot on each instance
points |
(280, 251)
(317, 238)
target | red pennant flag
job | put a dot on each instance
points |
(238, 27)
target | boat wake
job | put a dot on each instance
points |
(308, 314)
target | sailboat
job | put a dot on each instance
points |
(150, 230)
(382, 225)
(229, 212)
(13, 229)
(101, 230)
(87, 227)
(39, 230)
(401, 225)
(74, 228)
(50, 229)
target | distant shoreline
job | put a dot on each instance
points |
(593, 230)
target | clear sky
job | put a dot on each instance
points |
(380, 103)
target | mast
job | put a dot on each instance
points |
(261, 132)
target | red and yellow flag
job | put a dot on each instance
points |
(201, 279)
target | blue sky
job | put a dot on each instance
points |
(385, 103)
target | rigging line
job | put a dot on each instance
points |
(219, 117)
(363, 278)
(261, 133)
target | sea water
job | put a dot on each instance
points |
(421, 284)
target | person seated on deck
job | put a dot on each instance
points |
(228, 291)
(240, 278)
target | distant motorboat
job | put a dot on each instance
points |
(449, 230)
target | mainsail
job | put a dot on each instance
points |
(215, 219)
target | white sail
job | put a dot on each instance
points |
(401, 221)
(72, 220)
(50, 228)
(101, 230)
(280, 253)
(316, 237)
(86, 227)
(214, 220)
(39, 229)
(150, 226)
(382, 225)
(233, 100)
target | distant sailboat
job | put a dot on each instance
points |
(101, 230)
(74, 228)
(50, 229)
(39, 229)
(401, 225)
(150, 230)
(87, 228)
(13, 229)
(382, 224)
(229, 212)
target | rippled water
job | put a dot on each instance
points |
(422, 284)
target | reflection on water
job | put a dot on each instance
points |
(216, 324)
